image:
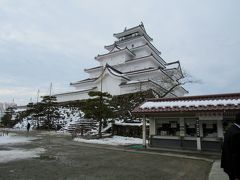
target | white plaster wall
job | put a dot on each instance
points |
(145, 76)
(110, 84)
(130, 89)
(152, 130)
(179, 91)
(134, 66)
(72, 97)
(140, 52)
(134, 42)
(136, 88)
(84, 86)
(137, 65)
(114, 59)
(95, 73)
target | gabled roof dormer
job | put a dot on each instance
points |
(174, 69)
(132, 32)
(106, 70)
(115, 51)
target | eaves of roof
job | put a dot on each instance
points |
(114, 52)
(150, 69)
(179, 67)
(149, 46)
(118, 73)
(136, 37)
(94, 68)
(144, 81)
(84, 81)
(75, 92)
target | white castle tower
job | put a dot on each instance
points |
(132, 64)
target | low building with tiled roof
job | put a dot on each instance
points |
(190, 122)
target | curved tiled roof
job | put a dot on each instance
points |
(110, 69)
(132, 30)
(215, 102)
(113, 52)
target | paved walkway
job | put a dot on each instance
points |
(217, 172)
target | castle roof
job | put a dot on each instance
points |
(125, 50)
(174, 66)
(108, 68)
(92, 69)
(137, 30)
(109, 47)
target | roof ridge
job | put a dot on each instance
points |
(199, 97)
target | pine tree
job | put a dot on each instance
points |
(98, 108)
(6, 119)
(48, 108)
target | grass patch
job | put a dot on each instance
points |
(46, 157)
(137, 146)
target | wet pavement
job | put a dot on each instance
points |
(67, 159)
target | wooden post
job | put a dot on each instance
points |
(182, 130)
(144, 131)
(198, 135)
(220, 129)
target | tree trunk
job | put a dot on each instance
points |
(100, 129)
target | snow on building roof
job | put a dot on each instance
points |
(128, 124)
(217, 102)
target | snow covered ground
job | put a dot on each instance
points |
(17, 154)
(68, 116)
(13, 139)
(115, 140)
(14, 154)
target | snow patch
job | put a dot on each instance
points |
(189, 103)
(115, 140)
(18, 154)
(10, 139)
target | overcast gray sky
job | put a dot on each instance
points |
(54, 40)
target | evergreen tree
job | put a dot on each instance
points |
(124, 104)
(98, 107)
(49, 109)
(7, 118)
